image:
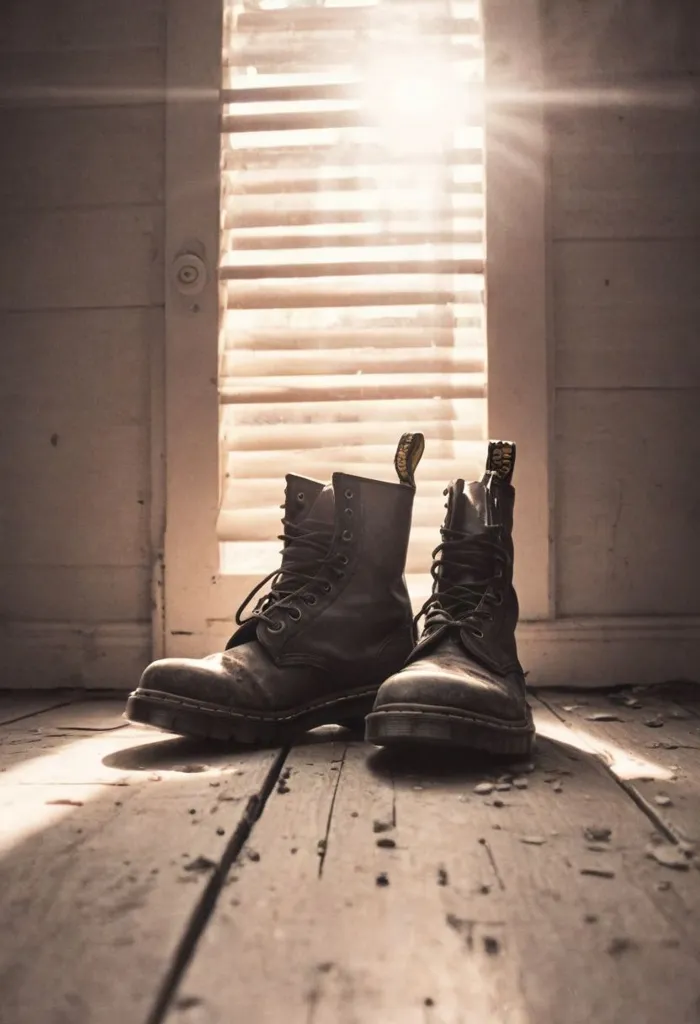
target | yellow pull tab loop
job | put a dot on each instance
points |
(408, 454)
(501, 460)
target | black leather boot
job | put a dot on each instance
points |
(335, 623)
(463, 685)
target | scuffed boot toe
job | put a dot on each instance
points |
(466, 707)
(217, 697)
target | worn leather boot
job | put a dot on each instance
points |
(463, 685)
(335, 623)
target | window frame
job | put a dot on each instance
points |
(194, 604)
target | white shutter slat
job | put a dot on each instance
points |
(238, 363)
(347, 388)
(305, 437)
(349, 236)
(394, 290)
(285, 339)
(309, 155)
(352, 267)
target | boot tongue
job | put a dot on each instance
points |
(322, 512)
(467, 507)
(467, 514)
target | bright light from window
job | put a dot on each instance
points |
(417, 106)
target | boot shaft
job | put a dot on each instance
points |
(474, 576)
(357, 602)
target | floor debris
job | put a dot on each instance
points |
(484, 788)
(598, 872)
(620, 945)
(597, 834)
(386, 843)
(533, 840)
(187, 1002)
(382, 879)
(669, 855)
(200, 864)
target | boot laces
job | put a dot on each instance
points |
(294, 573)
(463, 603)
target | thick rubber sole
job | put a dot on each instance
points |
(187, 717)
(404, 725)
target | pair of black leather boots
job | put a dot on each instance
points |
(334, 640)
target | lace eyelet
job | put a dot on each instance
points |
(300, 496)
(478, 634)
(348, 512)
(499, 574)
(498, 599)
(310, 598)
(341, 574)
(346, 535)
(275, 627)
(343, 559)
(326, 588)
(294, 614)
(349, 494)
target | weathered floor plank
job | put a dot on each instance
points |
(110, 841)
(650, 743)
(14, 705)
(475, 907)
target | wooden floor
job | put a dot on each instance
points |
(146, 878)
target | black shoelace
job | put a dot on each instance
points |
(294, 574)
(458, 603)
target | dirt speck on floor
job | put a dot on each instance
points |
(597, 833)
(187, 1002)
(620, 945)
(670, 855)
(200, 864)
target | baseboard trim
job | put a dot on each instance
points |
(89, 656)
(593, 652)
(589, 652)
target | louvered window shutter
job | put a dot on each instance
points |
(352, 256)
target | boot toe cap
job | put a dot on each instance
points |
(467, 689)
(220, 679)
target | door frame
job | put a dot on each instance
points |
(194, 603)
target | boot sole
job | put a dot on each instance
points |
(410, 724)
(187, 717)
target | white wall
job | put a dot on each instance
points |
(81, 328)
(625, 259)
